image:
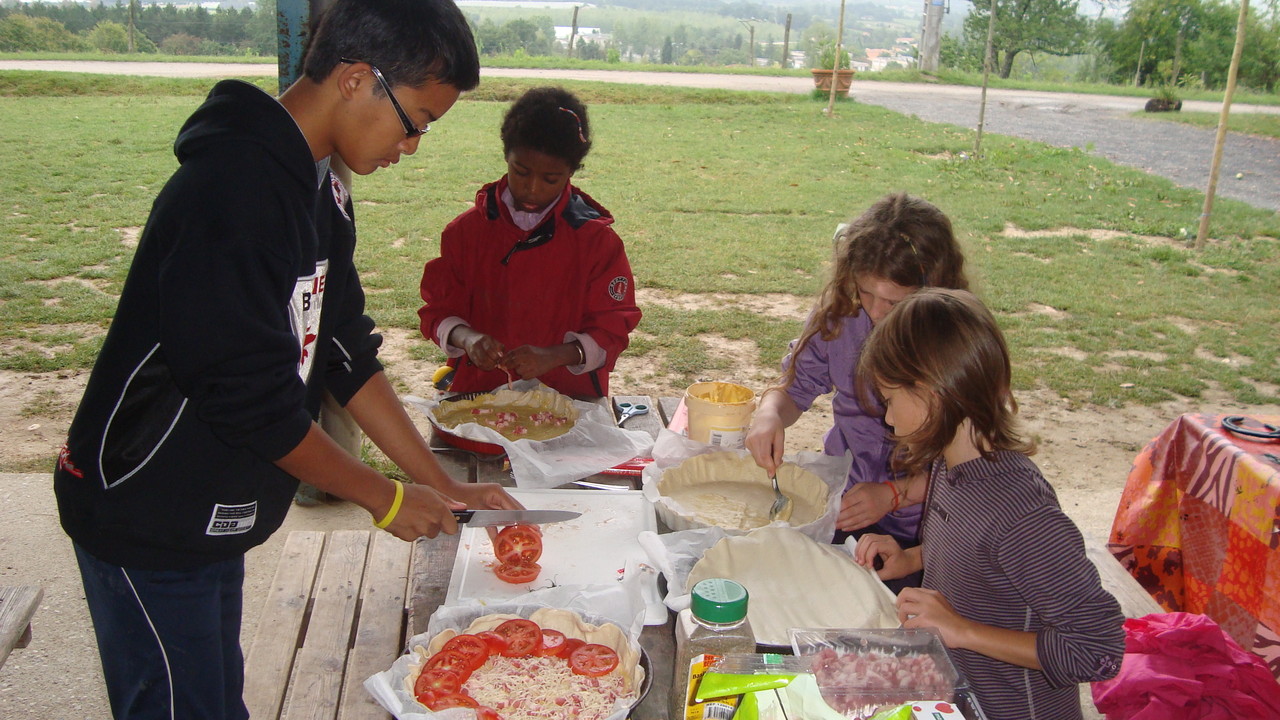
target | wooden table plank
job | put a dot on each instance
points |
(668, 406)
(316, 684)
(17, 604)
(1134, 600)
(270, 659)
(379, 636)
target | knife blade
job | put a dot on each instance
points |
(498, 518)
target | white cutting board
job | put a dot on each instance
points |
(593, 549)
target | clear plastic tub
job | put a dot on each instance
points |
(862, 670)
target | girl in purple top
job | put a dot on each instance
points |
(898, 245)
(1007, 583)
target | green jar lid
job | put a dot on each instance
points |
(719, 600)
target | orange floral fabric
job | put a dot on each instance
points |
(1199, 526)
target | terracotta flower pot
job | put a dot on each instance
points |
(843, 80)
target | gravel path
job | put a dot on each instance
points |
(1100, 124)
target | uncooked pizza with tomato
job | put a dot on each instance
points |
(520, 670)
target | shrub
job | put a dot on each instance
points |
(19, 32)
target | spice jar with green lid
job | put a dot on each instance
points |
(714, 624)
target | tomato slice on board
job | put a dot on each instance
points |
(454, 700)
(439, 682)
(516, 574)
(472, 647)
(524, 637)
(552, 643)
(518, 545)
(593, 660)
(496, 642)
(570, 644)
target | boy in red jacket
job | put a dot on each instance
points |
(532, 281)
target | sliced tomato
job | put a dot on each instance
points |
(439, 682)
(453, 700)
(524, 637)
(593, 660)
(518, 545)
(426, 697)
(472, 647)
(496, 642)
(451, 660)
(516, 574)
(570, 644)
(487, 713)
(552, 643)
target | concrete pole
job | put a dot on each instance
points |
(931, 38)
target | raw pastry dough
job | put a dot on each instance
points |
(730, 491)
(794, 581)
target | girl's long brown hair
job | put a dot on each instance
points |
(901, 238)
(945, 345)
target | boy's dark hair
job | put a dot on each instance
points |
(412, 42)
(550, 120)
(946, 346)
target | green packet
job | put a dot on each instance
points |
(741, 673)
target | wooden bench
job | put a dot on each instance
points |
(17, 605)
(334, 615)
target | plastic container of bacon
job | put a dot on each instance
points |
(862, 671)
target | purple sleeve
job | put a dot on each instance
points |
(813, 375)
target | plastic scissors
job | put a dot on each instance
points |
(628, 410)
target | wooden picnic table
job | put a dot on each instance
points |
(17, 605)
(343, 604)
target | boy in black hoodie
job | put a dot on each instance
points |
(241, 308)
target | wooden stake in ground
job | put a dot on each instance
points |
(835, 64)
(1203, 232)
(987, 62)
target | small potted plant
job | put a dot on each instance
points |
(823, 73)
(1166, 99)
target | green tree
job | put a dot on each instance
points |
(1046, 26)
(20, 32)
(109, 36)
(668, 51)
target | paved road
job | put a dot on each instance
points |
(1100, 124)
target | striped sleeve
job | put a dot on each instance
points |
(1082, 633)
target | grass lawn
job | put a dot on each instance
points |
(1087, 265)
(1248, 123)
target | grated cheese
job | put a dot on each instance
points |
(533, 688)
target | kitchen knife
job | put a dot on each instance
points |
(498, 518)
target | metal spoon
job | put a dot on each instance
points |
(781, 503)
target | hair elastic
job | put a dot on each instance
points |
(581, 136)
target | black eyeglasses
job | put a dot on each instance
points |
(410, 131)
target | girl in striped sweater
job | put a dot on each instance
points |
(1006, 581)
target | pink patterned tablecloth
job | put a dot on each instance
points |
(1199, 526)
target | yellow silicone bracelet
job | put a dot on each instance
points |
(395, 507)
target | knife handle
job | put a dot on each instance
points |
(462, 516)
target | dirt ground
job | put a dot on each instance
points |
(1085, 451)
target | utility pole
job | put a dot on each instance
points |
(931, 36)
